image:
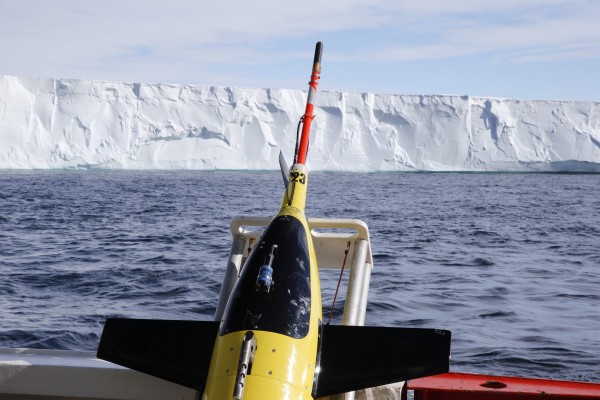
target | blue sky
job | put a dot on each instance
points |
(523, 49)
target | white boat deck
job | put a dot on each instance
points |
(61, 374)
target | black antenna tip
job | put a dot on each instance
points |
(318, 52)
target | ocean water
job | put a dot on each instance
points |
(510, 263)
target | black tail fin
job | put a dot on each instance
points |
(351, 357)
(178, 351)
(359, 357)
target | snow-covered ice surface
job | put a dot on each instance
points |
(63, 123)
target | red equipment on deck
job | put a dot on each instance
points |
(461, 386)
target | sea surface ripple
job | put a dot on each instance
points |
(510, 263)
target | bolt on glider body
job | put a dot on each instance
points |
(271, 342)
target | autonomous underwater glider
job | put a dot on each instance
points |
(271, 342)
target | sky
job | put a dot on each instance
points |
(519, 49)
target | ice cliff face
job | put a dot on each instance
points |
(61, 123)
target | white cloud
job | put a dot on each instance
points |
(453, 29)
(180, 40)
